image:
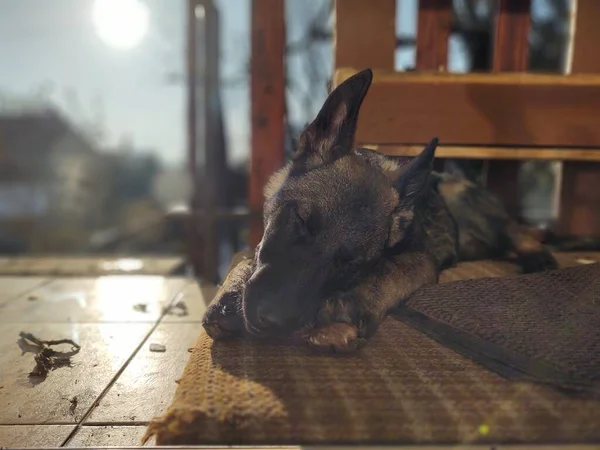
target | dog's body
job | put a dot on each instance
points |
(350, 233)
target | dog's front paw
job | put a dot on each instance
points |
(351, 308)
(222, 318)
(344, 324)
(336, 337)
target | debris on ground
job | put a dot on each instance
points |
(159, 348)
(141, 307)
(179, 309)
(33, 298)
(46, 358)
(73, 406)
(191, 350)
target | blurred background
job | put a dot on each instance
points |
(95, 126)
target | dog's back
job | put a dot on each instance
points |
(458, 220)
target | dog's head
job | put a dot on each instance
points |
(329, 216)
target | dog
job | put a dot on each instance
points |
(350, 233)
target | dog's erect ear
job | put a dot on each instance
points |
(409, 180)
(331, 134)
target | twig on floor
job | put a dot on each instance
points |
(73, 406)
(46, 358)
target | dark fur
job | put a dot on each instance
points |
(350, 233)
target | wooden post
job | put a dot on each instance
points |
(433, 33)
(511, 53)
(267, 94)
(511, 37)
(195, 238)
(205, 149)
(579, 210)
(365, 34)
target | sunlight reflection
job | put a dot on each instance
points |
(80, 297)
(116, 295)
(74, 331)
(114, 343)
(125, 265)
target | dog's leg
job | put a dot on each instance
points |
(348, 320)
(223, 317)
(532, 256)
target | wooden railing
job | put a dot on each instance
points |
(501, 117)
(504, 118)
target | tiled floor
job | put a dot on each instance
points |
(115, 384)
(82, 266)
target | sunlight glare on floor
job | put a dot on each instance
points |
(116, 293)
(124, 265)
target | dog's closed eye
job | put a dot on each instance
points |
(304, 225)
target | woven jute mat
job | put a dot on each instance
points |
(402, 388)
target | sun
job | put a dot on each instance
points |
(121, 24)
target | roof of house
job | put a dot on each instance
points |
(29, 135)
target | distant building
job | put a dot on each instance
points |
(51, 177)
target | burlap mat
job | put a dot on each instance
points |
(403, 388)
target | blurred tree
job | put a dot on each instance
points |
(134, 175)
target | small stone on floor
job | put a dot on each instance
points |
(158, 348)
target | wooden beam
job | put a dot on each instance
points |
(433, 33)
(267, 92)
(511, 53)
(480, 109)
(496, 153)
(579, 210)
(511, 36)
(580, 200)
(365, 34)
(586, 38)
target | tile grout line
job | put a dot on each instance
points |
(119, 372)
(136, 423)
(35, 424)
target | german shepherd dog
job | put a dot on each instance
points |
(351, 233)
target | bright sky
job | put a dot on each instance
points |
(53, 44)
